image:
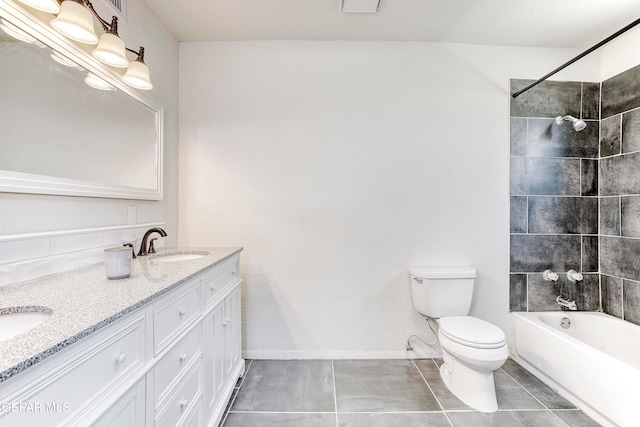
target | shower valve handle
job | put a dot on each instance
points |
(549, 275)
(574, 276)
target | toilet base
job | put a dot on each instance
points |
(474, 388)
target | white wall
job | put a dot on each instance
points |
(621, 54)
(20, 213)
(338, 166)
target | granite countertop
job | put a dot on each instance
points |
(83, 301)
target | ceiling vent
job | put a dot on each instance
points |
(119, 8)
(357, 6)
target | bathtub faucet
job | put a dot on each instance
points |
(563, 302)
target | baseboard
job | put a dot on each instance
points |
(337, 355)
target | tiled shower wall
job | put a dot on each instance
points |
(620, 195)
(575, 196)
(554, 195)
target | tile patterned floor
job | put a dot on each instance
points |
(386, 393)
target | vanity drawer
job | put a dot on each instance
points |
(174, 363)
(66, 387)
(174, 314)
(219, 278)
(175, 412)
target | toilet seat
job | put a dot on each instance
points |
(472, 332)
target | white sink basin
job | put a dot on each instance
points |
(188, 256)
(12, 324)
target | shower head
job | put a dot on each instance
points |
(577, 124)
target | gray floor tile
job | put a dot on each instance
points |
(575, 418)
(536, 387)
(505, 419)
(287, 386)
(261, 419)
(393, 420)
(381, 386)
(431, 373)
(511, 395)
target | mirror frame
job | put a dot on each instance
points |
(17, 182)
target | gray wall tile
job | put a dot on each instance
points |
(631, 131)
(611, 295)
(518, 137)
(563, 215)
(631, 297)
(630, 216)
(620, 92)
(610, 136)
(535, 253)
(548, 99)
(553, 176)
(517, 292)
(589, 174)
(591, 101)
(590, 254)
(518, 207)
(610, 216)
(618, 175)
(618, 257)
(545, 138)
(518, 176)
(542, 294)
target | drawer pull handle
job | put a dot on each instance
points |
(121, 357)
(183, 358)
(213, 288)
(183, 403)
(226, 322)
(182, 312)
(233, 272)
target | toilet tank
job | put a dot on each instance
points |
(442, 291)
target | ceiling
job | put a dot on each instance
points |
(536, 23)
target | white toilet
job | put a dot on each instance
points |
(472, 348)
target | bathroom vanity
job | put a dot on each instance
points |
(160, 348)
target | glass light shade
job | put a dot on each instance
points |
(48, 6)
(111, 51)
(137, 76)
(75, 22)
(97, 83)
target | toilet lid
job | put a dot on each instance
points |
(472, 332)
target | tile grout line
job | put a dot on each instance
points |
(335, 394)
(536, 399)
(431, 390)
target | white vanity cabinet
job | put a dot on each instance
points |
(223, 364)
(171, 362)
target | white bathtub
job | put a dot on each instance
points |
(595, 363)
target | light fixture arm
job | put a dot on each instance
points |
(110, 28)
(140, 53)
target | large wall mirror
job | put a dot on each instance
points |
(58, 135)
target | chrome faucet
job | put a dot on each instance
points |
(563, 302)
(144, 250)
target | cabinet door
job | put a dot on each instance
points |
(214, 357)
(233, 331)
(128, 411)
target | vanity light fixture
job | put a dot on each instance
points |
(111, 49)
(137, 74)
(75, 21)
